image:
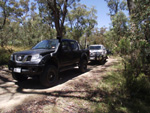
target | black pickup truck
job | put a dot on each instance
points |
(47, 59)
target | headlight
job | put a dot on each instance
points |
(36, 58)
(11, 57)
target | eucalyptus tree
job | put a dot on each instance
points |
(54, 12)
(11, 11)
(19, 10)
(119, 20)
(137, 63)
(98, 36)
(131, 6)
(115, 6)
(81, 21)
(4, 13)
(119, 25)
(90, 23)
(77, 20)
(140, 15)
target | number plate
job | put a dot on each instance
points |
(17, 70)
(92, 58)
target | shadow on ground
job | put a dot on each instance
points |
(64, 77)
(34, 83)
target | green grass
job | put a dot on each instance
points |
(117, 98)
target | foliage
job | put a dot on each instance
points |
(116, 97)
(6, 52)
(133, 45)
(119, 26)
(56, 11)
(132, 42)
(137, 62)
(116, 36)
(22, 25)
(12, 11)
(115, 6)
(27, 23)
(81, 20)
(4, 56)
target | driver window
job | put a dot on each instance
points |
(74, 46)
(65, 46)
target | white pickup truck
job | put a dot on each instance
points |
(98, 53)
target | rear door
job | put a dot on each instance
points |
(75, 51)
(66, 53)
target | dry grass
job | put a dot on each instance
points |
(7, 51)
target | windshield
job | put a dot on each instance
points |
(95, 47)
(46, 44)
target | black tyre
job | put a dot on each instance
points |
(19, 77)
(83, 65)
(103, 61)
(49, 77)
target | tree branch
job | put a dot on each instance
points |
(5, 15)
(64, 13)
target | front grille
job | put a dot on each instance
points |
(95, 53)
(29, 58)
(22, 58)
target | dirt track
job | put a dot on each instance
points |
(12, 95)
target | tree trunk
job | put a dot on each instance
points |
(4, 14)
(58, 19)
(131, 6)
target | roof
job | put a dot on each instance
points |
(62, 39)
(67, 40)
(96, 45)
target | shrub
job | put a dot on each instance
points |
(4, 56)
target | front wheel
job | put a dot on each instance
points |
(83, 65)
(49, 77)
(103, 60)
(19, 77)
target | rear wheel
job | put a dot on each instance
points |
(103, 60)
(19, 77)
(49, 77)
(83, 65)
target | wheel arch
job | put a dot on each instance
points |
(51, 61)
(84, 56)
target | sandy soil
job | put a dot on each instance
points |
(71, 82)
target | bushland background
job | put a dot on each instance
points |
(23, 23)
